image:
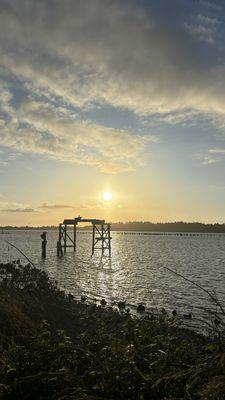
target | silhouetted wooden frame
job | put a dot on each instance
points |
(100, 235)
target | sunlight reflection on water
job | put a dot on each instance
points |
(135, 271)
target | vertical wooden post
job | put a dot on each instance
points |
(102, 237)
(60, 232)
(43, 244)
(65, 232)
(109, 236)
(59, 249)
(93, 238)
(59, 243)
(74, 237)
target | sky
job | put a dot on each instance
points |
(119, 96)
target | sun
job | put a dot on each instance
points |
(107, 196)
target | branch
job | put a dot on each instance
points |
(24, 255)
(214, 299)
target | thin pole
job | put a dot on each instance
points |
(109, 234)
(93, 238)
(102, 237)
(65, 229)
(43, 244)
(60, 228)
(74, 236)
(59, 243)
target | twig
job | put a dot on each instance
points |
(214, 299)
(24, 255)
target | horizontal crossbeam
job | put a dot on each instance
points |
(79, 219)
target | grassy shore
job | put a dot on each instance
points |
(53, 347)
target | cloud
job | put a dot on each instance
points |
(202, 32)
(80, 207)
(41, 128)
(213, 155)
(6, 97)
(205, 19)
(12, 207)
(217, 151)
(75, 56)
(122, 55)
(56, 206)
(211, 5)
(7, 206)
(208, 160)
(17, 210)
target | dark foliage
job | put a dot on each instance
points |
(180, 226)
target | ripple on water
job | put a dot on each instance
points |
(135, 271)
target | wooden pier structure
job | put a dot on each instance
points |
(101, 237)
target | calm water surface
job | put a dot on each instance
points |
(135, 271)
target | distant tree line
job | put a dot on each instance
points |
(143, 226)
(168, 227)
(44, 227)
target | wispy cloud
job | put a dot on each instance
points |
(56, 206)
(78, 207)
(7, 206)
(217, 151)
(202, 32)
(212, 156)
(17, 210)
(205, 19)
(208, 160)
(12, 207)
(211, 5)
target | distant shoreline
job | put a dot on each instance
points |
(143, 227)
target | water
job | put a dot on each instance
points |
(135, 271)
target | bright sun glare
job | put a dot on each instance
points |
(107, 196)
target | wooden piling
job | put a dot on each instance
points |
(109, 234)
(60, 234)
(59, 249)
(74, 237)
(43, 244)
(102, 238)
(93, 238)
(65, 237)
(59, 242)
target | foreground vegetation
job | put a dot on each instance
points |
(52, 347)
